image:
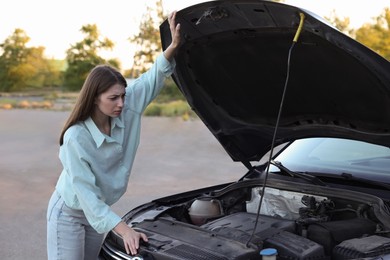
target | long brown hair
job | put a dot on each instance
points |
(99, 80)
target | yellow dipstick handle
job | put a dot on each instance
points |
(299, 27)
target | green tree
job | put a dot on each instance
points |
(38, 67)
(147, 41)
(148, 47)
(54, 73)
(376, 35)
(83, 56)
(21, 66)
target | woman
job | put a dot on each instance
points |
(97, 149)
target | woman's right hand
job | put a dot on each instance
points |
(131, 238)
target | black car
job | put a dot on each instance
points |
(307, 110)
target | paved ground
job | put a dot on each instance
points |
(174, 156)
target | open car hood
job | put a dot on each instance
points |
(232, 69)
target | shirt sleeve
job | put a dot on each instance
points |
(83, 182)
(146, 87)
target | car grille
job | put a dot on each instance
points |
(178, 252)
(189, 253)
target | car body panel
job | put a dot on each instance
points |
(232, 67)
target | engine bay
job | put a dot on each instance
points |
(298, 225)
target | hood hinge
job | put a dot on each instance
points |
(248, 165)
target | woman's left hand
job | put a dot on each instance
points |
(175, 29)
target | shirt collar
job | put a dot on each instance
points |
(97, 136)
(116, 122)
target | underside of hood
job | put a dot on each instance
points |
(232, 69)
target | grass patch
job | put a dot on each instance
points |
(25, 104)
(64, 101)
(7, 103)
(170, 109)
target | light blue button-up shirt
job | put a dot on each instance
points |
(96, 167)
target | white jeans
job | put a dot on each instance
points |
(69, 235)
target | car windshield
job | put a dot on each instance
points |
(337, 156)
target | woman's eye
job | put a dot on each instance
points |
(117, 97)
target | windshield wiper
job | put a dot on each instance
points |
(304, 176)
(349, 176)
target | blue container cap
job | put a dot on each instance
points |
(268, 251)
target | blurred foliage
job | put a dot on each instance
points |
(83, 56)
(147, 41)
(341, 23)
(148, 47)
(25, 68)
(376, 35)
(21, 66)
(170, 92)
(170, 109)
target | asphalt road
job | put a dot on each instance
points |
(174, 156)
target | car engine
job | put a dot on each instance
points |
(225, 225)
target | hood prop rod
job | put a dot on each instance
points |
(297, 33)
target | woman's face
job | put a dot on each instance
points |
(110, 103)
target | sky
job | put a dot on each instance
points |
(56, 24)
